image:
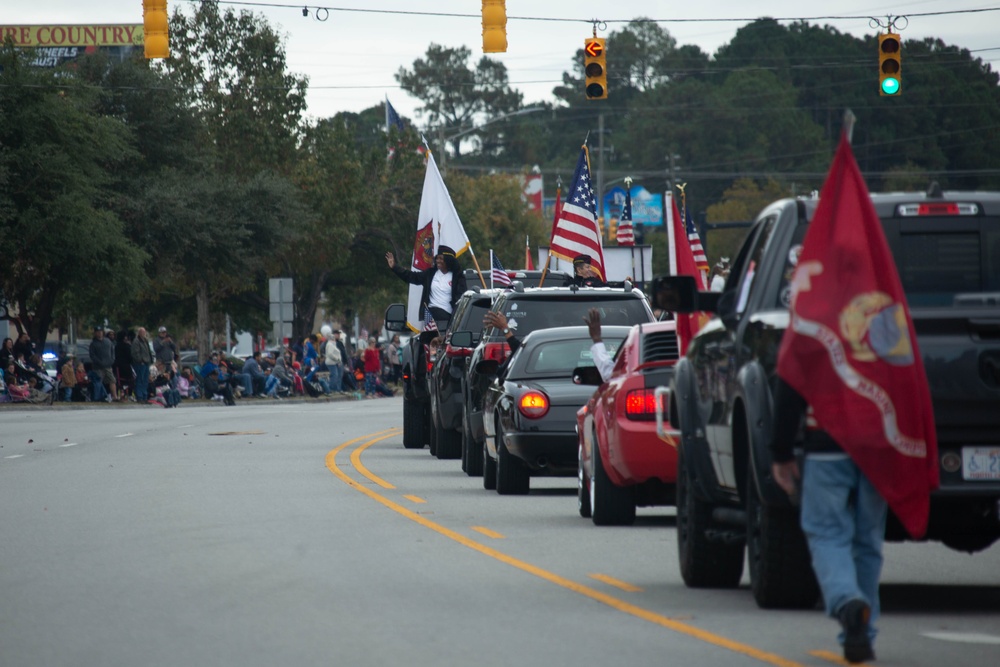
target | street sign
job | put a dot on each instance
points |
(282, 312)
(280, 290)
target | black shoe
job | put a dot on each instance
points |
(854, 618)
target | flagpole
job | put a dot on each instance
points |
(491, 269)
(849, 119)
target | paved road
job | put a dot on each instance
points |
(304, 534)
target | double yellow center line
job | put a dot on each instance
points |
(586, 591)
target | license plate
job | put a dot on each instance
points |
(981, 463)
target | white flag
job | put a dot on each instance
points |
(437, 224)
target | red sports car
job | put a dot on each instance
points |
(635, 466)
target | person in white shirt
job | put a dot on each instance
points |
(443, 284)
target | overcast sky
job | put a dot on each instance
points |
(351, 57)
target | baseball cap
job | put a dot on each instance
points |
(163, 330)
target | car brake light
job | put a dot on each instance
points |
(640, 404)
(457, 351)
(495, 351)
(533, 404)
(938, 209)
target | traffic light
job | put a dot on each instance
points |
(595, 66)
(612, 228)
(889, 64)
(494, 26)
(155, 40)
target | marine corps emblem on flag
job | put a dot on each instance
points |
(423, 248)
(875, 328)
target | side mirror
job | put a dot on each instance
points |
(462, 339)
(679, 294)
(395, 318)
(587, 375)
(487, 367)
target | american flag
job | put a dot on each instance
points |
(700, 260)
(429, 323)
(575, 231)
(498, 276)
(626, 234)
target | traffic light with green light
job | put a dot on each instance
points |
(595, 67)
(890, 62)
(156, 41)
(494, 26)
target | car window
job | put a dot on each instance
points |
(942, 268)
(527, 315)
(748, 280)
(560, 357)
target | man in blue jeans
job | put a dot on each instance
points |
(843, 518)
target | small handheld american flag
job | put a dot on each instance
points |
(498, 274)
(429, 323)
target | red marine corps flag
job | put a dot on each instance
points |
(851, 351)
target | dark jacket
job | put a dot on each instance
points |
(789, 420)
(424, 278)
(140, 351)
(102, 353)
(592, 281)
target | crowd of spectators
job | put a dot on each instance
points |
(129, 367)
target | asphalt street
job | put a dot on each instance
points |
(302, 533)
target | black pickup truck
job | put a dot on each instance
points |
(946, 246)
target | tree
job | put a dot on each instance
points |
(57, 166)
(454, 94)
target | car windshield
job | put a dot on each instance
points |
(560, 357)
(527, 315)
(940, 268)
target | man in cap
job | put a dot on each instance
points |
(443, 284)
(165, 349)
(585, 275)
(142, 359)
(102, 358)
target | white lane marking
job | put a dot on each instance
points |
(186, 426)
(70, 444)
(964, 637)
(14, 456)
(124, 435)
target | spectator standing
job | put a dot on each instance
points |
(123, 363)
(142, 358)
(23, 348)
(334, 361)
(347, 381)
(6, 352)
(373, 365)
(165, 349)
(102, 359)
(395, 357)
(67, 377)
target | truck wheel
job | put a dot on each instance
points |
(704, 564)
(513, 478)
(413, 425)
(781, 574)
(611, 505)
(489, 469)
(449, 443)
(582, 487)
(472, 453)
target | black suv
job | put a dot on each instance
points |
(527, 310)
(446, 381)
(946, 246)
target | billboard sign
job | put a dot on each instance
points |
(647, 208)
(55, 45)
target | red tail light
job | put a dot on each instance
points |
(533, 404)
(496, 351)
(457, 351)
(640, 404)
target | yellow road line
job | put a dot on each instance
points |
(586, 591)
(356, 462)
(488, 533)
(415, 499)
(617, 583)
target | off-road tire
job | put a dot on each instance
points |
(781, 574)
(449, 443)
(414, 425)
(704, 564)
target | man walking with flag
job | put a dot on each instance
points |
(849, 365)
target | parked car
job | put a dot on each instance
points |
(530, 406)
(528, 310)
(946, 246)
(623, 463)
